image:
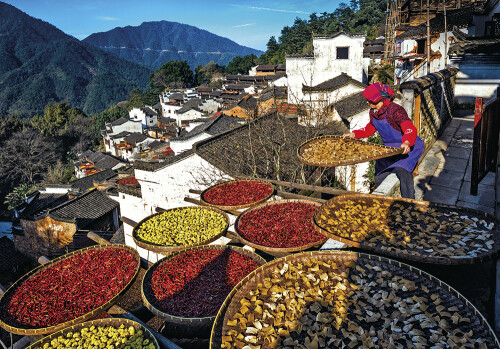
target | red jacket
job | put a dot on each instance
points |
(396, 117)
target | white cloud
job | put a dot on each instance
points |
(273, 9)
(106, 18)
(244, 25)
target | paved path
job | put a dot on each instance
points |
(444, 173)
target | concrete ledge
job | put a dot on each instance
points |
(389, 186)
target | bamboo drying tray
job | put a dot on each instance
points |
(275, 250)
(146, 291)
(379, 152)
(449, 296)
(169, 249)
(115, 322)
(30, 331)
(437, 240)
(238, 207)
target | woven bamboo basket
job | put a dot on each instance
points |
(415, 254)
(169, 249)
(29, 331)
(146, 291)
(115, 322)
(237, 207)
(275, 250)
(448, 295)
(380, 151)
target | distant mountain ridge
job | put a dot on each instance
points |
(40, 64)
(152, 44)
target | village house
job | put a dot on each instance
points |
(56, 222)
(333, 55)
(146, 115)
(117, 130)
(264, 70)
(247, 107)
(270, 99)
(133, 144)
(91, 162)
(374, 49)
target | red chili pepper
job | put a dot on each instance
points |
(195, 283)
(128, 181)
(70, 288)
(283, 225)
(238, 193)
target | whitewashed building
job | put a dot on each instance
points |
(117, 130)
(333, 55)
(146, 115)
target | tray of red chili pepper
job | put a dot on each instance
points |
(237, 195)
(281, 226)
(68, 290)
(189, 286)
(118, 332)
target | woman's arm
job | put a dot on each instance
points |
(367, 131)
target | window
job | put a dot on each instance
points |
(421, 46)
(398, 47)
(342, 52)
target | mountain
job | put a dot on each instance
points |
(40, 64)
(152, 44)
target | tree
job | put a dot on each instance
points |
(26, 156)
(204, 75)
(138, 98)
(55, 118)
(241, 65)
(108, 115)
(59, 173)
(17, 196)
(77, 136)
(8, 126)
(173, 74)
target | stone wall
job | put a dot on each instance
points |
(436, 93)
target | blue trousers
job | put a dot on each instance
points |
(405, 178)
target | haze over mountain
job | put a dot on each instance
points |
(152, 44)
(40, 64)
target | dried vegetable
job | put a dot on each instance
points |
(320, 304)
(418, 229)
(335, 150)
(128, 181)
(280, 225)
(182, 226)
(108, 337)
(70, 288)
(237, 193)
(195, 283)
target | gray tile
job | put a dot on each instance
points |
(458, 152)
(441, 195)
(421, 185)
(454, 164)
(462, 143)
(482, 208)
(428, 165)
(455, 123)
(449, 130)
(485, 195)
(489, 179)
(446, 139)
(447, 178)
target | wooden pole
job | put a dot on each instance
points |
(428, 40)
(445, 35)
(417, 112)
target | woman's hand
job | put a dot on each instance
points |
(348, 135)
(406, 147)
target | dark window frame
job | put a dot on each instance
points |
(338, 55)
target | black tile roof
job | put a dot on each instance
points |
(248, 103)
(135, 138)
(107, 162)
(148, 111)
(460, 18)
(84, 209)
(333, 84)
(177, 96)
(277, 92)
(239, 87)
(223, 123)
(352, 105)
(166, 120)
(267, 67)
(118, 122)
(120, 135)
(232, 152)
(85, 183)
(42, 203)
(464, 44)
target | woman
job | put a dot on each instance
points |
(396, 129)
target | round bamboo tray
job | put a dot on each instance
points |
(418, 255)
(449, 296)
(146, 291)
(237, 207)
(276, 250)
(30, 331)
(115, 322)
(169, 249)
(379, 152)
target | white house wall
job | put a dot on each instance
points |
(179, 146)
(129, 126)
(210, 106)
(191, 114)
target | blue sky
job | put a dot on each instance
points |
(248, 22)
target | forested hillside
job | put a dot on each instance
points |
(152, 44)
(359, 16)
(39, 64)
